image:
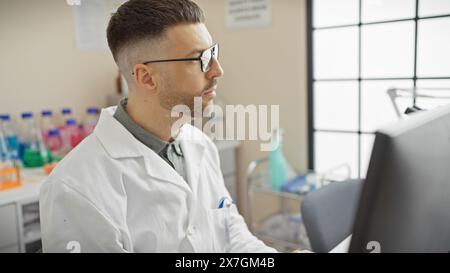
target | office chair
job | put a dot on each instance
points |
(328, 213)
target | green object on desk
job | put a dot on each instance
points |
(33, 158)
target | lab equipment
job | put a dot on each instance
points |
(404, 204)
(92, 115)
(413, 93)
(66, 114)
(10, 135)
(300, 184)
(9, 171)
(282, 226)
(277, 161)
(9, 175)
(72, 134)
(47, 123)
(53, 142)
(4, 155)
(31, 146)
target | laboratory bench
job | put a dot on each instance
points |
(19, 214)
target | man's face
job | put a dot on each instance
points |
(182, 81)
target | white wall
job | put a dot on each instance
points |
(40, 66)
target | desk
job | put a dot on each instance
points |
(19, 214)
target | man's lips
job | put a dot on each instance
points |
(209, 91)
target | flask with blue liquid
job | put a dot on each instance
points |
(3, 147)
(10, 136)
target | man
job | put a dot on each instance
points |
(135, 184)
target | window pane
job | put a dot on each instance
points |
(384, 10)
(334, 13)
(433, 7)
(366, 151)
(334, 149)
(336, 105)
(336, 53)
(388, 50)
(431, 103)
(433, 48)
(377, 109)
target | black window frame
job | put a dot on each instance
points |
(311, 80)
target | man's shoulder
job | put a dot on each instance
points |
(88, 171)
(87, 159)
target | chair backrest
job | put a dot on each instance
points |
(329, 212)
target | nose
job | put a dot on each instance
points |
(216, 70)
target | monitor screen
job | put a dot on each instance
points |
(405, 202)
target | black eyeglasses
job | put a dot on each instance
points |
(205, 58)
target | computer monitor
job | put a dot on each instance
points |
(405, 201)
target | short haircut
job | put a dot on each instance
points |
(146, 20)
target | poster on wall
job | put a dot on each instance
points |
(248, 13)
(91, 21)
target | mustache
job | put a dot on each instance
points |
(209, 86)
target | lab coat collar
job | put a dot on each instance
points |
(119, 143)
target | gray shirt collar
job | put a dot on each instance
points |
(148, 139)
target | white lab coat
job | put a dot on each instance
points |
(114, 194)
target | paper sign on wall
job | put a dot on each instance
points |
(91, 21)
(248, 13)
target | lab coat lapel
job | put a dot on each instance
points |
(120, 144)
(115, 139)
(157, 168)
(193, 154)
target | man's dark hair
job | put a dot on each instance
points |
(146, 19)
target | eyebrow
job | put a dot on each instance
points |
(199, 50)
(195, 51)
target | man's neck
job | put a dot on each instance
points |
(151, 116)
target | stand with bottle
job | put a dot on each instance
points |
(283, 226)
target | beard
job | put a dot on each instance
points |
(169, 97)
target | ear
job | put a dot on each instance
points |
(145, 77)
